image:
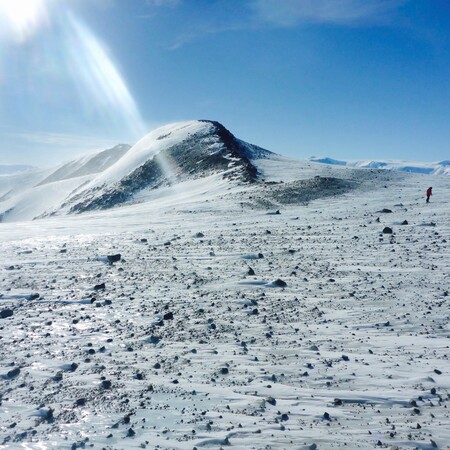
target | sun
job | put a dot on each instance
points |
(22, 17)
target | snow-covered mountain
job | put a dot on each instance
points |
(28, 194)
(168, 155)
(88, 165)
(436, 168)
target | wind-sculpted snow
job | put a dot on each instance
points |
(228, 324)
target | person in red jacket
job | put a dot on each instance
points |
(429, 194)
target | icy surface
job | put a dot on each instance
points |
(194, 341)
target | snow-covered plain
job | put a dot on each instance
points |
(193, 343)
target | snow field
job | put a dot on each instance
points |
(183, 348)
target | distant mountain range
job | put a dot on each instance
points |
(437, 168)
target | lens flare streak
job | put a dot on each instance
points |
(94, 71)
(102, 89)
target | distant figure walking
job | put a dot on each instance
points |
(429, 194)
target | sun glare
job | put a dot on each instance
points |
(22, 17)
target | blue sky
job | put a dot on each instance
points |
(350, 79)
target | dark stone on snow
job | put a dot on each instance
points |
(387, 230)
(326, 416)
(386, 211)
(106, 384)
(114, 258)
(58, 377)
(13, 373)
(224, 371)
(97, 287)
(168, 316)
(154, 339)
(280, 283)
(5, 313)
(131, 432)
(199, 235)
(271, 401)
(405, 222)
(250, 271)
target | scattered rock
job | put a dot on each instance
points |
(168, 316)
(114, 258)
(106, 384)
(280, 283)
(13, 373)
(5, 313)
(387, 230)
(154, 339)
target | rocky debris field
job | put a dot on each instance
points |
(220, 326)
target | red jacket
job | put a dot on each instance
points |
(429, 192)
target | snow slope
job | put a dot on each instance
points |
(88, 165)
(437, 168)
(191, 342)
